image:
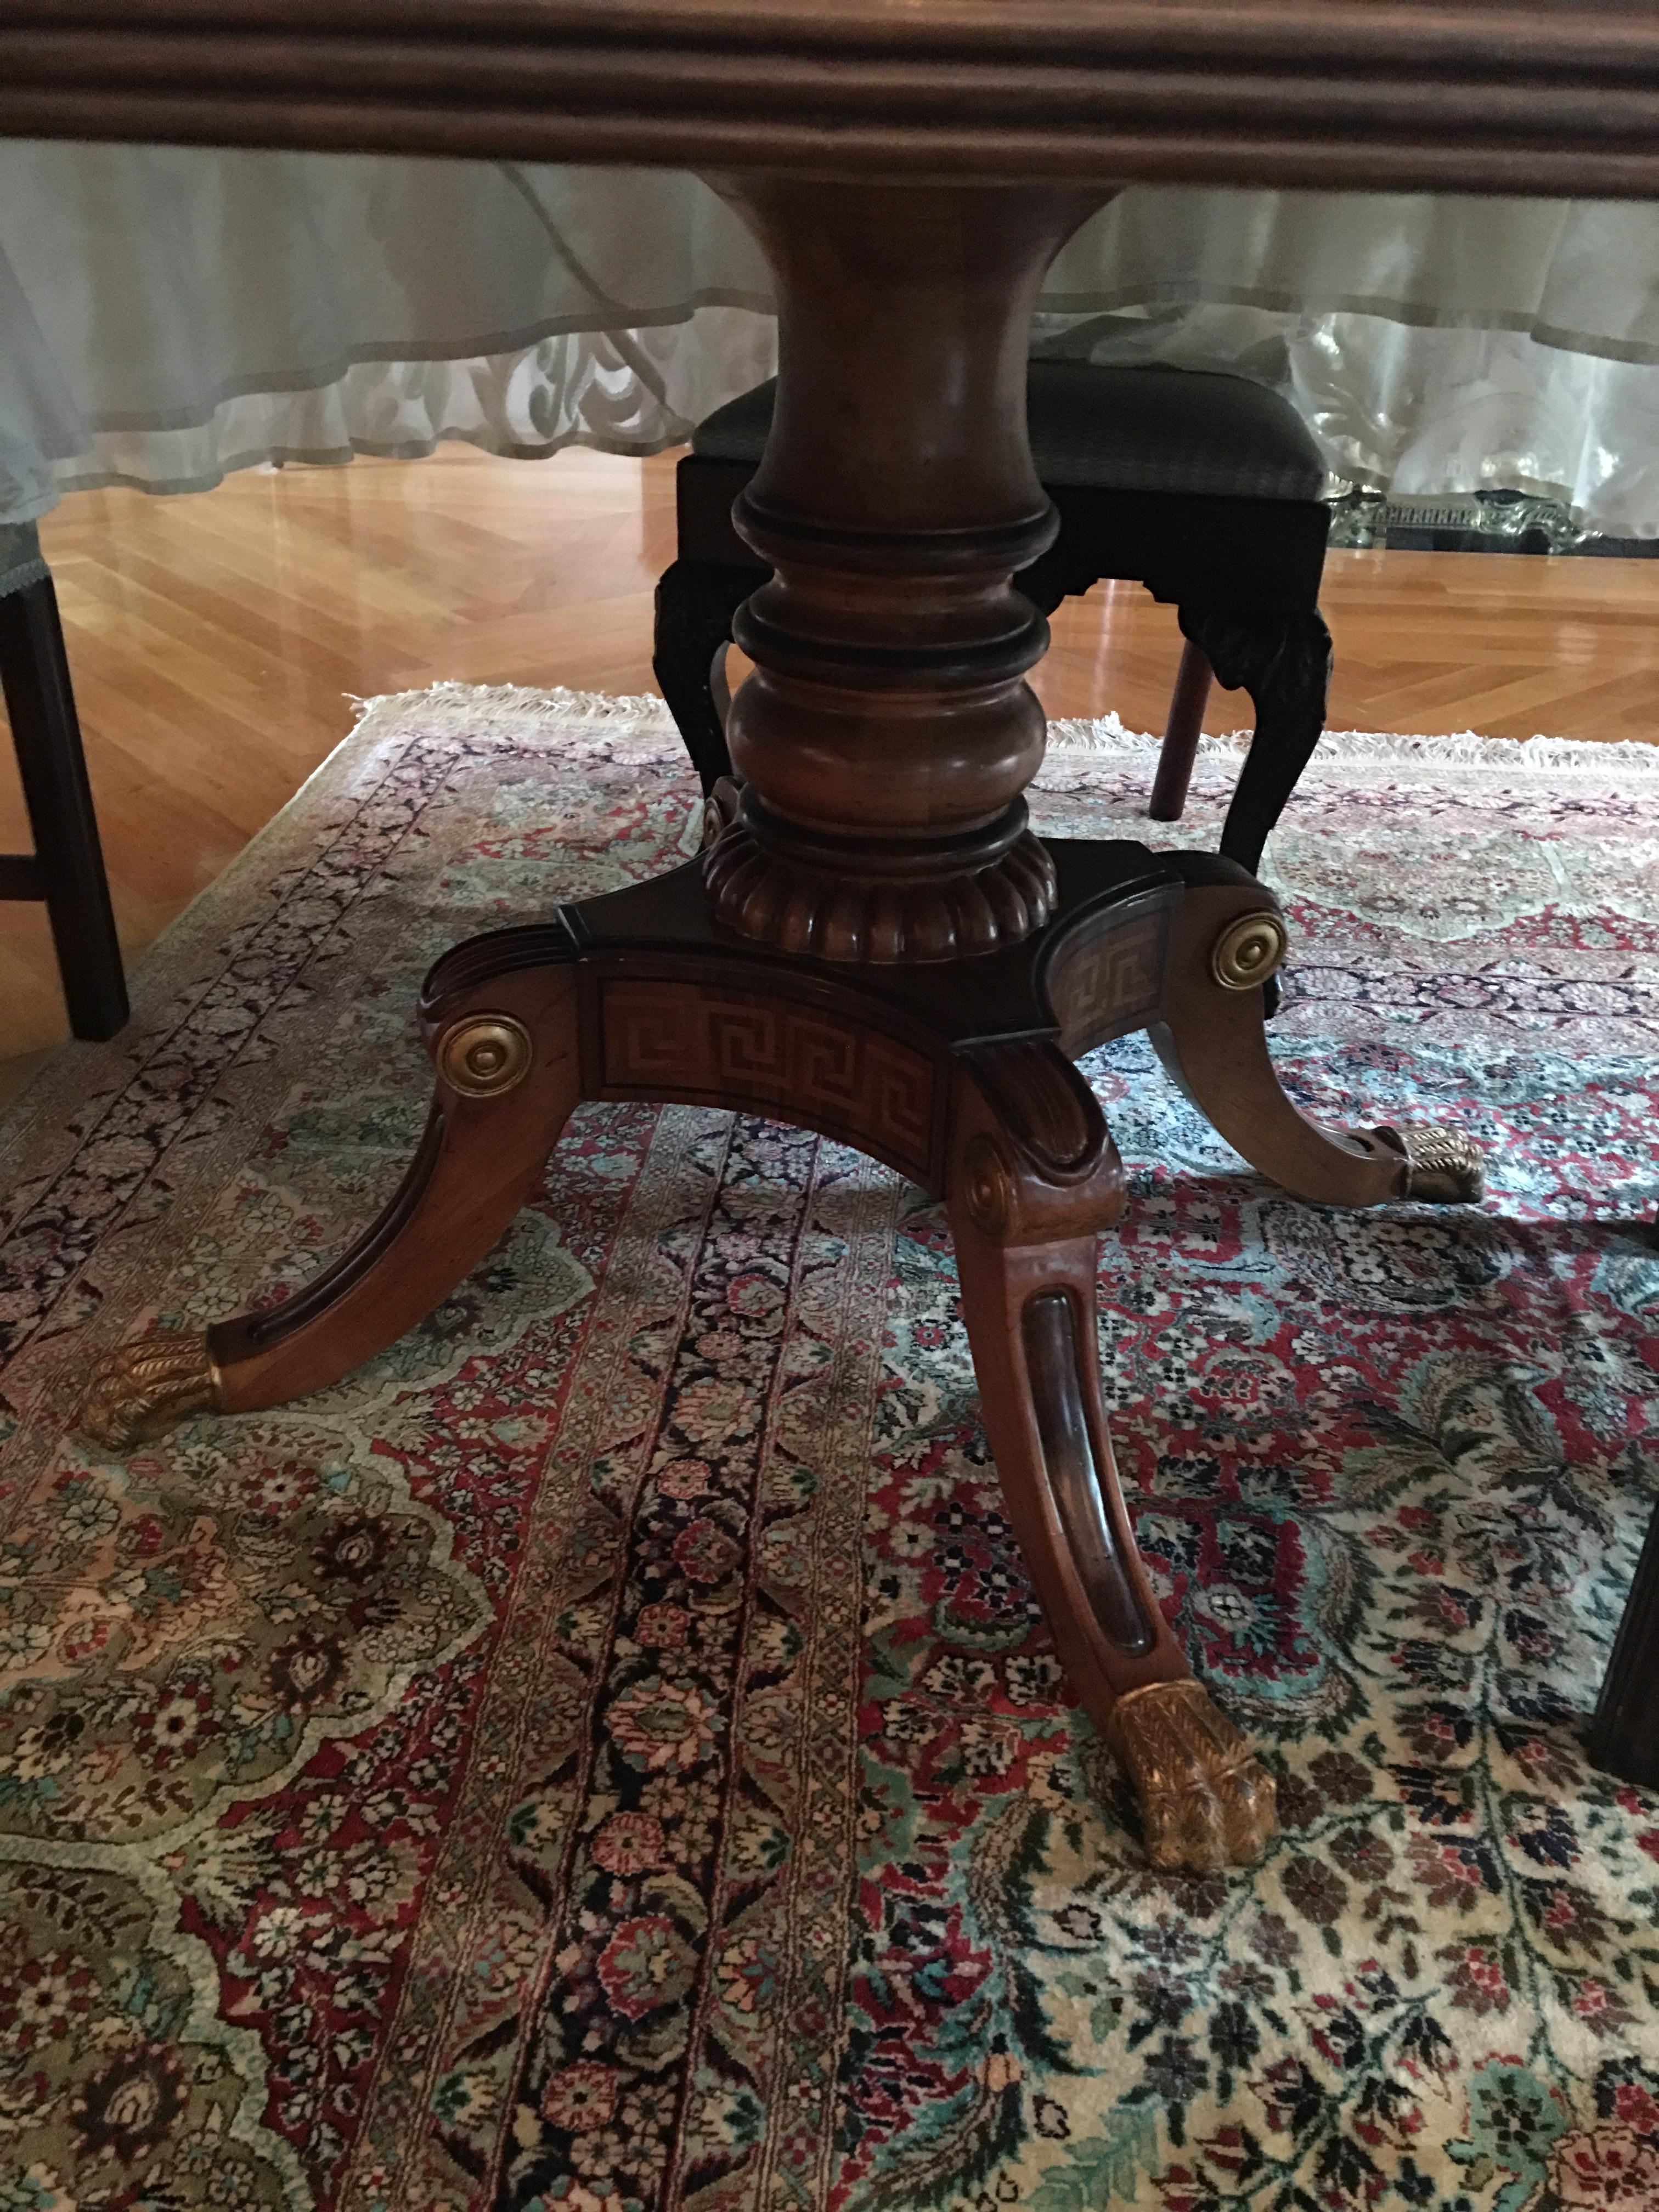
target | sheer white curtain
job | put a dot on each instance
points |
(168, 314)
(1433, 345)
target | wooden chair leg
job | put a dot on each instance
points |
(1023, 1214)
(1284, 662)
(1623, 1736)
(1181, 733)
(696, 602)
(1229, 939)
(507, 1061)
(68, 861)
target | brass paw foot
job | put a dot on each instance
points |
(1443, 1167)
(1206, 1799)
(144, 1387)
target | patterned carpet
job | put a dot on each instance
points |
(605, 1756)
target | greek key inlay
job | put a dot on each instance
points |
(767, 1056)
(1108, 979)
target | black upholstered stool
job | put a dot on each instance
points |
(1203, 488)
(65, 871)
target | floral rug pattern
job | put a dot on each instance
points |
(605, 1755)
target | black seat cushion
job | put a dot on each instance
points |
(1183, 430)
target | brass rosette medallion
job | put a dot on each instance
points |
(1207, 1800)
(988, 1189)
(1248, 950)
(484, 1054)
(720, 811)
(144, 1387)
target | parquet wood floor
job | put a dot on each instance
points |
(214, 640)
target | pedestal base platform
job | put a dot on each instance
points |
(957, 1074)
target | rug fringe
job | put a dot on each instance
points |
(1372, 748)
(451, 702)
(644, 716)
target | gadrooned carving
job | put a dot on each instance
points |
(779, 898)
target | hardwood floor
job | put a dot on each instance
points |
(215, 640)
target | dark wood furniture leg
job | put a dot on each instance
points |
(1623, 1736)
(696, 603)
(874, 945)
(1284, 661)
(66, 872)
(1181, 735)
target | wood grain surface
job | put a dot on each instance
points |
(1527, 96)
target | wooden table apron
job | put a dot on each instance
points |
(874, 942)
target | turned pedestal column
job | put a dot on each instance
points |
(887, 736)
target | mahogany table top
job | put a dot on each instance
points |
(1528, 96)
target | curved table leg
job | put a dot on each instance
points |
(1034, 1174)
(505, 1052)
(1229, 939)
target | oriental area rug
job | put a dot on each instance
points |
(605, 1757)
